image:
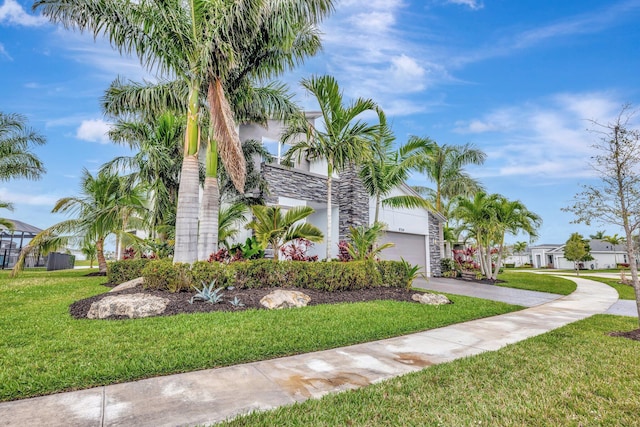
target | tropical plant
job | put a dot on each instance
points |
(600, 235)
(16, 140)
(236, 303)
(250, 249)
(199, 42)
(444, 166)
(412, 272)
(388, 168)
(363, 241)
(90, 252)
(229, 218)
(155, 165)
(105, 206)
(344, 140)
(208, 293)
(5, 222)
(488, 218)
(272, 227)
(296, 250)
(519, 248)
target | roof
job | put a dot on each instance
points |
(19, 228)
(603, 246)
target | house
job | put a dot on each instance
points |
(12, 242)
(605, 255)
(417, 233)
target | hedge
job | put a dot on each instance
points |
(327, 276)
(125, 270)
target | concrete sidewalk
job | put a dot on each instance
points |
(213, 395)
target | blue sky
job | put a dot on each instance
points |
(519, 79)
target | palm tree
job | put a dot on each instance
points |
(155, 165)
(89, 251)
(489, 218)
(512, 217)
(444, 166)
(363, 241)
(614, 241)
(16, 139)
(228, 218)
(344, 140)
(600, 235)
(519, 248)
(273, 228)
(388, 168)
(198, 42)
(105, 206)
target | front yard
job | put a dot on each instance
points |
(44, 350)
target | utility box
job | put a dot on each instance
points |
(59, 261)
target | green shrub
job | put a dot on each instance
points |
(164, 274)
(446, 265)
(510, 265)
(264, 273)
(125, 270)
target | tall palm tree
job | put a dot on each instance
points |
(155, 165)
(344, 140)
(16, 140)
(519, 248)
(198, 42)
(444, 166)
(600, 235)
(105, 206)
(388, 168)
(272, 227)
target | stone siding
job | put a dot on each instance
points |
(296, 184)
(434, 238)
(354, 202)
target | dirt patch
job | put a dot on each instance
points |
(179, 302)
(632, 335)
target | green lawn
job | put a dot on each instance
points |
(624, 291)
(44, 350)
(536, 282)
(574, 376)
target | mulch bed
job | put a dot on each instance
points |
(179, 301)
(632, 335)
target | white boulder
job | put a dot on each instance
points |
(131, 305)
(285, 299)
(431, 299)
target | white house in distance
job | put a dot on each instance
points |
(417, 233)
(605, 255)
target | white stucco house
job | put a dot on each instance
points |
(605, 255)
(416, 233)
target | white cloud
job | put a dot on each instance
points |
(3, 52)
(11, 12)
(472, 4)
(94, 131)
(373, 22)
(547, 138)
(7, 195)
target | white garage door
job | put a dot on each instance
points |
(411, 247)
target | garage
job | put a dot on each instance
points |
(411, 247)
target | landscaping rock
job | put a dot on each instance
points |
(130, 305)
(431, 299)
(285, 299)
(128, 285)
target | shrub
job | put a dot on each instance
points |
(343, 251)
(264, 273)
(510, 265)
(164, 274)
(125, 270)
(447, 264)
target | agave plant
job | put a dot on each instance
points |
(208, 294)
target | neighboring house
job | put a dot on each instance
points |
(12, 242)
(417, 233)
(605, 255)
(519, 259)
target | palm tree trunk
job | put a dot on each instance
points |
(375, 218)
(329, 225)
(187, 212)
(102, 262)
(209, 208)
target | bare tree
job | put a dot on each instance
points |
(616, 199)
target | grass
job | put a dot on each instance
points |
(536, 282)
(624, 291)
(576, 376)
(44, 350)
